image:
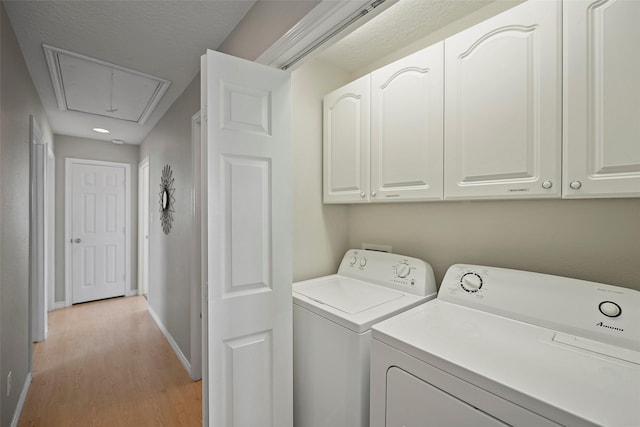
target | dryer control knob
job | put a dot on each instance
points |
(471, 282)
(353, 260)
(363, 262)
(610, 309)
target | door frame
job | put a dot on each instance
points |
(144, 163)
(40, 256)
(197, 308)
(68, 191)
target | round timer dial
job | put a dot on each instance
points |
(403, 270)
(471, 282)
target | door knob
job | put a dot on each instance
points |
(77, 240)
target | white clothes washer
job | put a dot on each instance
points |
(332, 318)
(505, 347)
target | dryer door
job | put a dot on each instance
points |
(412, 402)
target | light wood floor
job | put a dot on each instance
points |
(106, 363)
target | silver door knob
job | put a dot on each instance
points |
(362, 194)
(575, 185)
(77, 240)
(373, 194)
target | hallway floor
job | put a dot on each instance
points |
(106, 363)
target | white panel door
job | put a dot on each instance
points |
(98, 232)
(602, 99)
(346, 135)
(247, 195)
(407, 128)
(503, 105)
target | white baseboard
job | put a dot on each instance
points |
(172, 342)
(58, 305)
(131, 292)
(23, 397)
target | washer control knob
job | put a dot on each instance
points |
(353, 260)
(403, 270)
(610, 309)
(471, 282)
(363, 262)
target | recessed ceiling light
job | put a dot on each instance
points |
(117, 141)
(100, 130)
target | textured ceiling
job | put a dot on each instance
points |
(401, 24)
(161, 38)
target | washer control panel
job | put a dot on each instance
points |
(394, 271)
(590, 310)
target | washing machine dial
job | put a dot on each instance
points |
(471, 282)
(353, 260)
(403, 270)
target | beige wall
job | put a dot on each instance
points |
(91, 149)
(596, 240)
(265, 23)
(19, 100)
(169, 143)
(319, 231)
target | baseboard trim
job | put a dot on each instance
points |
(131, 292)
(172, 343)
(23, 397)
(58, 305)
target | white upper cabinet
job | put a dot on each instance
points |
(503, 105)
(602, 99)
(407, 129)
(346, 143)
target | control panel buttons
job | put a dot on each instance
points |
(363, 262)
(353, 260)
(610, 309)
(471, 282)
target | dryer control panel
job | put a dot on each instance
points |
(596, 311)
(404, 273)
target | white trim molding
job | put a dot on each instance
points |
(196, 247)
(21, 400)
(141, 236)
(68, 190)
(319, 29)
(172, 342)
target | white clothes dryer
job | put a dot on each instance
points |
(332, 318)
(504, 347)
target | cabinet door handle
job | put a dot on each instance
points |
(373, 194)
(362, 194)
(575, 185)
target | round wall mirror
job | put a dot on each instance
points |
(167, 199)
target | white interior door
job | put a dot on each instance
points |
(247, 197)
(98, 231)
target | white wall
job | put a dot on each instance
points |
(320, 236)
(92, 149)
(19, 100)
(169, 143)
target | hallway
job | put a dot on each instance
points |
(106, 363)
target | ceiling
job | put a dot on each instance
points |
(164, 39)
(402, 23)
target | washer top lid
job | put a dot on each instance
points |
(348, 295)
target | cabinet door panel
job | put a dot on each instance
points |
(602, 98)
(346, 143)
(502, 109)
(407, 128)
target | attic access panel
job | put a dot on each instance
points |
(92, 86)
